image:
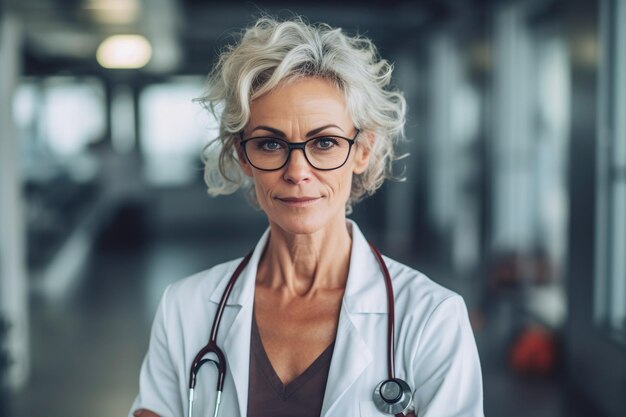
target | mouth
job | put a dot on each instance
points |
(298, 201)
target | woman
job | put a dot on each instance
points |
(309, 121)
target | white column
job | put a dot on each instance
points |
(512, 142)
(13, 279)
(441, 170)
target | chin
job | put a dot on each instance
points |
(302, 223)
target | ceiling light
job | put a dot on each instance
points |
(124, 51)
(114, 12)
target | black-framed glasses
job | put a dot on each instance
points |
(324, 153)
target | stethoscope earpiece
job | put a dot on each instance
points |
(393, 396)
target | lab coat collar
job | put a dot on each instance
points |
(365, 281)
(351, 354)
(363, 288)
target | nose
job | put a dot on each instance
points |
(297, 169)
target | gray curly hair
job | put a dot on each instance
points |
(270, 52)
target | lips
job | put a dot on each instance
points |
(298, 201)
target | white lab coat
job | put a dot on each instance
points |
(435, 349)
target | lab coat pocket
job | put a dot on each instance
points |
(368, 409)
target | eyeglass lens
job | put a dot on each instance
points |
(326, 152)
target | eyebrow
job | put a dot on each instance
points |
(282, 135)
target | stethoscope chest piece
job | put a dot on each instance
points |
(392, 396)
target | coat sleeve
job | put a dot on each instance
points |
(447, 369)
(158, 380)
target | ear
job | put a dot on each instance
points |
(243, 161)
(363, 151)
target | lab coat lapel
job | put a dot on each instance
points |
(237, 324)
(364, 295)
(351, 356)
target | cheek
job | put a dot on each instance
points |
(264, 183)
(343, 186)
(261, 191)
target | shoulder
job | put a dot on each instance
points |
(429, 317)
(418, 298)
(412, 284)
(438, 352)
(415, 295)
(199, 287)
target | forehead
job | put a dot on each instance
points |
(305, 100)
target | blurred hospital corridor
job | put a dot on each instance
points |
(513, 192)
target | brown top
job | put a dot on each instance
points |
(268, 397)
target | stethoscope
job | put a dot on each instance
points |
(391, 396)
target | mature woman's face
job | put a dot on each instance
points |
(299, 198)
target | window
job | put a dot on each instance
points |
(173, 131)
(73, 114)
(454, 119)
(57, 119)
(529, 148)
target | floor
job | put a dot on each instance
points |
(89, 343)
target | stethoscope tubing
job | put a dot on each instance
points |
(220, 363)
(391, 313)
(211, 346)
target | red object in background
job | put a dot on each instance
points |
(534, 352)
(510, 270)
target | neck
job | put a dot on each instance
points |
(303, 265)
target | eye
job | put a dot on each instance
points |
(325, 143)
(269, 144)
